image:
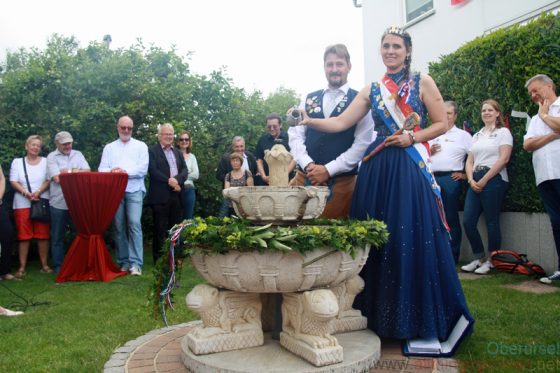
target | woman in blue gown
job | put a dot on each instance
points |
(412, 289)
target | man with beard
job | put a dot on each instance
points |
(331, 158)
(543, 140)
(130, 156)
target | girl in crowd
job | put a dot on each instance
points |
(488, 181)
(28, 229)
(237, 177)
(412, 290)
(188, 194)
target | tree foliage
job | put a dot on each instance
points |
(497, 66)
(85, 90)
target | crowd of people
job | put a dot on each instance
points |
(400, 171)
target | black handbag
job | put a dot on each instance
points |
(41, 209)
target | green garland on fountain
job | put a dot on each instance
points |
(215, 236)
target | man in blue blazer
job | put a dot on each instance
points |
(168, 173)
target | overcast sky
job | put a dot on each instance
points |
(263, 44)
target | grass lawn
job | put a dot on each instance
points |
(75, 326)
(514, 331)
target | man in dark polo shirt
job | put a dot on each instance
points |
(274, 136)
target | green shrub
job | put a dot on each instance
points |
(497, 66)
(85, 90)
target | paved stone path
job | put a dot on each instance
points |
(160, 351)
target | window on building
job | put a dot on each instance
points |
(415, 8)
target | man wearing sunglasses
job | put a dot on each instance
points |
(275, 135)
(130, 156)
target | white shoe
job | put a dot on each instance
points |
(471, 266)
(10, 313)
(484, 268)
(135, 271)
(554, 277)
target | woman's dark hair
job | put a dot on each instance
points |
(394, 30)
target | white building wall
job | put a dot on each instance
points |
(444, 29)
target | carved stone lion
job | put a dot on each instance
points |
(306, 317)
(348, 319)
(346, 293)
(224, 311)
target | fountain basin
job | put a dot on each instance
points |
(277, 271)
(278, 205)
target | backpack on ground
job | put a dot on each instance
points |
(513, 262)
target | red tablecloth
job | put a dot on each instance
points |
(93, 199)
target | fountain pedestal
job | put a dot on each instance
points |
(318, 287)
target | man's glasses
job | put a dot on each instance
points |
(126, 128)
(184, 140)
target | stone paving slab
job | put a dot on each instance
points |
(533, 286)
(161, 352)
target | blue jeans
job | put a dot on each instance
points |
(127, 227)
(188, 197)
(225, 209)
(550, 194)
(60, 220)
(488, 201)
(450, 194)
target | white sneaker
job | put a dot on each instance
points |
(471, 266)
(484, 268)
(10, 313)
(135, 271)
(554, 277)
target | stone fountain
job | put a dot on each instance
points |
(240, 302)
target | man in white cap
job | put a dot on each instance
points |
(63, 159)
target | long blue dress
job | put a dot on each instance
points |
(411, 286)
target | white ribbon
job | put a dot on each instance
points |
(522, 114)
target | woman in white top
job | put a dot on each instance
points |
(188, 194)
(488, 182)
(26, 228)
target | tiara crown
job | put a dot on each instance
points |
(396, 30)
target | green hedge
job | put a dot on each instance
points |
(497, 66)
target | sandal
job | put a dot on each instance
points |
(20, 273)
(7, 277)
(46, 269)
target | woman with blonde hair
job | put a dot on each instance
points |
(28, 178)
